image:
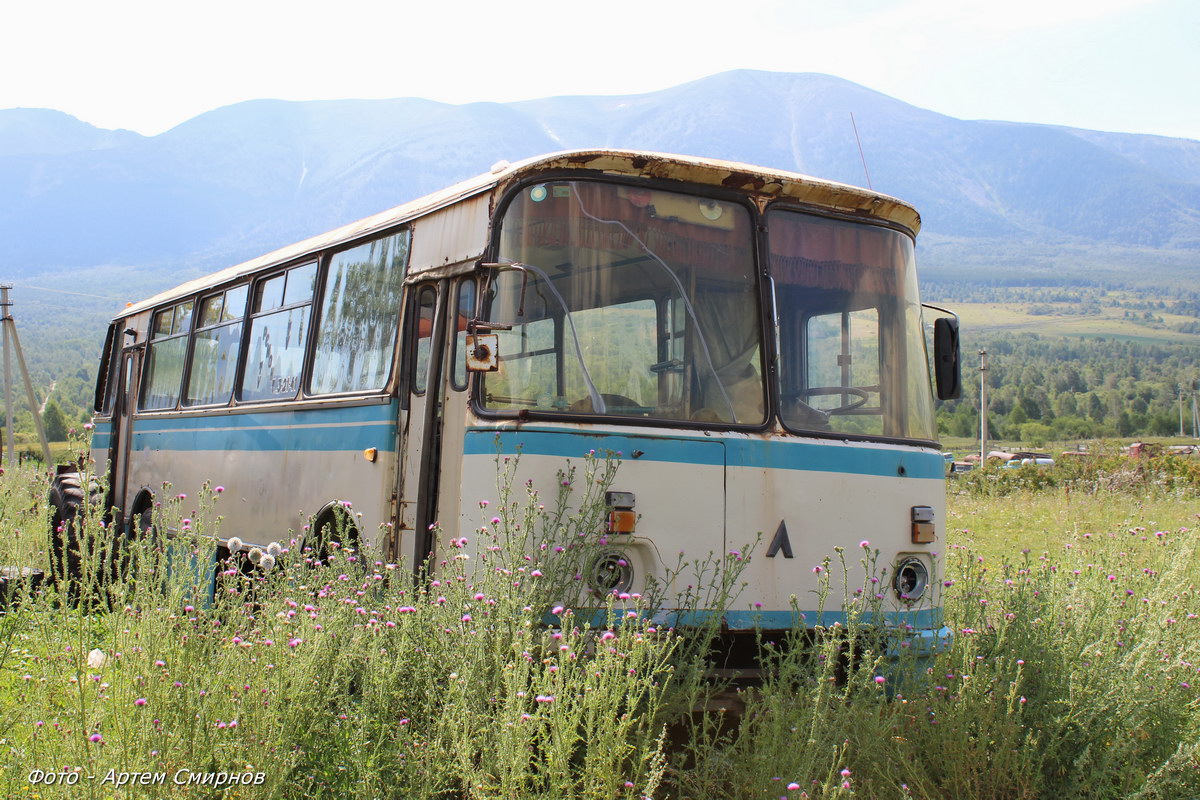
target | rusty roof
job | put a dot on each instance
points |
(763, 181)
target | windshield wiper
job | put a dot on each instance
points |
(687, 303)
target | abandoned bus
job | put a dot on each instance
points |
(751, 341)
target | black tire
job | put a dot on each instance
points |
(330, 530)
(66, 499)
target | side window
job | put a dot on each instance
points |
(423, 331)
(360, 312)
(165, 354)
(278, 333)
(216, 346)
(464, 310)
(107, 373)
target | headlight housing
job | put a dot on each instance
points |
(610, 572)
(912, 579)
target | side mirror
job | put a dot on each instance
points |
(946, 367)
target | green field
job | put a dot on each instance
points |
(987, 320)
(1073, 672)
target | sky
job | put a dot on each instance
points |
(148, 65)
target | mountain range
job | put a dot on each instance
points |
(1001, 201)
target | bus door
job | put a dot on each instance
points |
(423, 404)
(124, 403)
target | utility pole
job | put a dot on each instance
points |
(1179, 388)
(983, 408)
(1195, 417)
(13, 345)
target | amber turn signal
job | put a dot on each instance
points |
(621, 521)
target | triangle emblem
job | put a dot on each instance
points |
(780, 542)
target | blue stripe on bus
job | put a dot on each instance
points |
(805, 455)
(327, 429)
(101, 435)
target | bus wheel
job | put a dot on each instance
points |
(65, 500)
(332, 528)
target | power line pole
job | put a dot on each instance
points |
(983, 408)
(1179, 388)
(13, 345)
(1195, 418)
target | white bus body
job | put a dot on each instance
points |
(749, 340)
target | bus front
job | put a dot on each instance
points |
(759, 364)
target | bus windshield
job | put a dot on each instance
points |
(852, 348)
(626, 301)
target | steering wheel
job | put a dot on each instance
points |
(820, 391)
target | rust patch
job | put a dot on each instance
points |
(744, 180)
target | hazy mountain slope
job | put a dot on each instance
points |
(42, 131)
(240, 180)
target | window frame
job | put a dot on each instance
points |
(152, 341)
(459, 356)
(414, 337)
(395, 367)
(778, 357)
(763, 302)
(197, 328)
(316, 260)
(110, 360)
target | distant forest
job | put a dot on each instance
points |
(1052, 388)
(1042, 387)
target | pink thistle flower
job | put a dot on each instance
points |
(864, 544)
(880, 680)
(793, 786)
(604, 637)
(96, 738)
(219, 489)
(141, 701)
(466, 617)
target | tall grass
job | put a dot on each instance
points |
(1073, 672)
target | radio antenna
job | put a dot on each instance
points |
(860, 152)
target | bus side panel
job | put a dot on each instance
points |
(677, 483)
(808, 496)
(101, 439)
(277, 468)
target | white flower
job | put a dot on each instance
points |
(234, 544)
(255, 555)
(274, 549)
(267, 562)
(97, 659)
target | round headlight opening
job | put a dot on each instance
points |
(610, 572)
(911, 579)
